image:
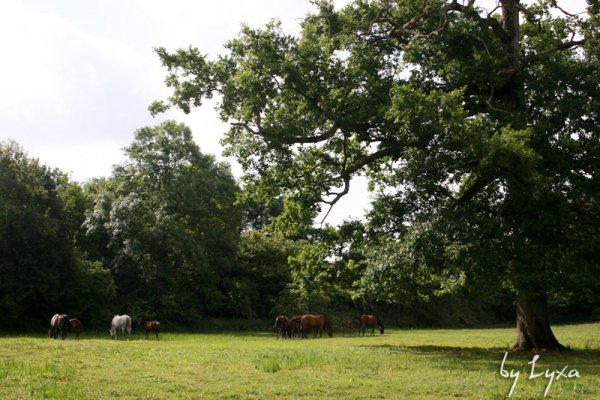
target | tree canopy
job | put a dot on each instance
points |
(168, 221)
(41, 270)
(478, 132)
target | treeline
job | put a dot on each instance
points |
(161, 238)
(171, 236)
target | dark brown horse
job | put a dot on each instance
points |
(75, 325)
(370, 321)
(295, 326)
(316, 323)
(59, 323)
(350, 324)
(152, 326)
(282, 327)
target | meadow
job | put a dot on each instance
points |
(402, 364)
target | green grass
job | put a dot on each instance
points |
(402, 364)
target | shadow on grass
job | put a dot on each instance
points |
(489, 359)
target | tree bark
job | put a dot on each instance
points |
(533, 325)
(510, 23)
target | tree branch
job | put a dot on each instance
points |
(563, 46)
(346, 174)
(329, 133)
(553, 4)
(492, 22)
(471, 191)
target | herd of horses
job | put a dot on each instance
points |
(296, 326)
(301, 325)
(63, 325)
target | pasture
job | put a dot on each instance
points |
(402, 364)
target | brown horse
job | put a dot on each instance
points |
(282, 327)
(152, 326)
(370, 321)
(350, 324)
(59, 323)
(295, 326)
(317, 323)
(75, 325)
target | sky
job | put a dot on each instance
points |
(77, 77)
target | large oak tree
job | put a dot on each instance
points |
(479, 130)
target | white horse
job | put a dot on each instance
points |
(120, 322)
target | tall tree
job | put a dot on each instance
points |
(258, 284)
(478, 130)
(168, 219)
(34, 249)
(41, 271)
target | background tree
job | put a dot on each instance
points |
(170, 225)
(327, 270)
(41, 270)
(258, 285)
(258, 214)
(479, 130)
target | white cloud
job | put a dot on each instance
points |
(81, 161)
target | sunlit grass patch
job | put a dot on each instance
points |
(424, 364)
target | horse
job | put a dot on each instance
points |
(370, 321)
(122, 323)
(317, 323)
(152, 326)
(295, 326)
(75, 325)
(282, 326)
(350, 324)
(59, 323)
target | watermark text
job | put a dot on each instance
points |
(535, 373)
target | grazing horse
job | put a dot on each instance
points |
(75, 325)
(122, 323)
(317, 323)
(282, 326)
(152, 326)
(59, 323)
(295, 326)
(370, 321)
(350, 324)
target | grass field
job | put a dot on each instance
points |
(402, 364)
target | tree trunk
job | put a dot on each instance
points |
(533, 325)
(510, 23)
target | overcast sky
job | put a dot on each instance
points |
(76, 77)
